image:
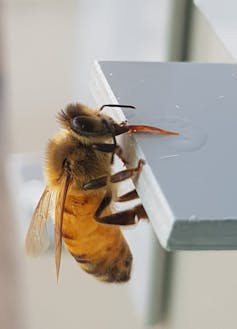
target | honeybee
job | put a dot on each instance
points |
(80, 185)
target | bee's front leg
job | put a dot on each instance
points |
(110, 148)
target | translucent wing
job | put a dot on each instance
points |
(59, 209)
(37, 241)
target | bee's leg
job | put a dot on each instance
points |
(127, 173)
(107, 148)
(96, 183)
(126, 197)
(132, 195)
(126, 217)
(104, 203)
(110, 148)
(119, 153)
(116, 178)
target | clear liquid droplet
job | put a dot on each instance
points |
(191, 137)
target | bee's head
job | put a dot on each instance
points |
(89, 125)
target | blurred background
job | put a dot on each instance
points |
(46, 52)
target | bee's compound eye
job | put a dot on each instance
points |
(82, 124)
(90, 126)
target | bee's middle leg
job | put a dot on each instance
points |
(116, 178)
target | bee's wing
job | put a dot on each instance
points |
(37, 240)
(59, 209)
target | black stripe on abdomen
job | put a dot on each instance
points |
(81, 258)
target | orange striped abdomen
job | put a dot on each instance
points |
(100, 249)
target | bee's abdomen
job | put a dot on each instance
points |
(100, 249)
(108, 267)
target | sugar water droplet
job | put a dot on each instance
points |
(191, 137)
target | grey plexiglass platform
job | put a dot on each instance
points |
(189, 183)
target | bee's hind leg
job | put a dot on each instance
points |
(129, 196)
(126, 217)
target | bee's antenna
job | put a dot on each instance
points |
(116, 105)
(109, 127)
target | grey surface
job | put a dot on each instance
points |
(196, 170)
